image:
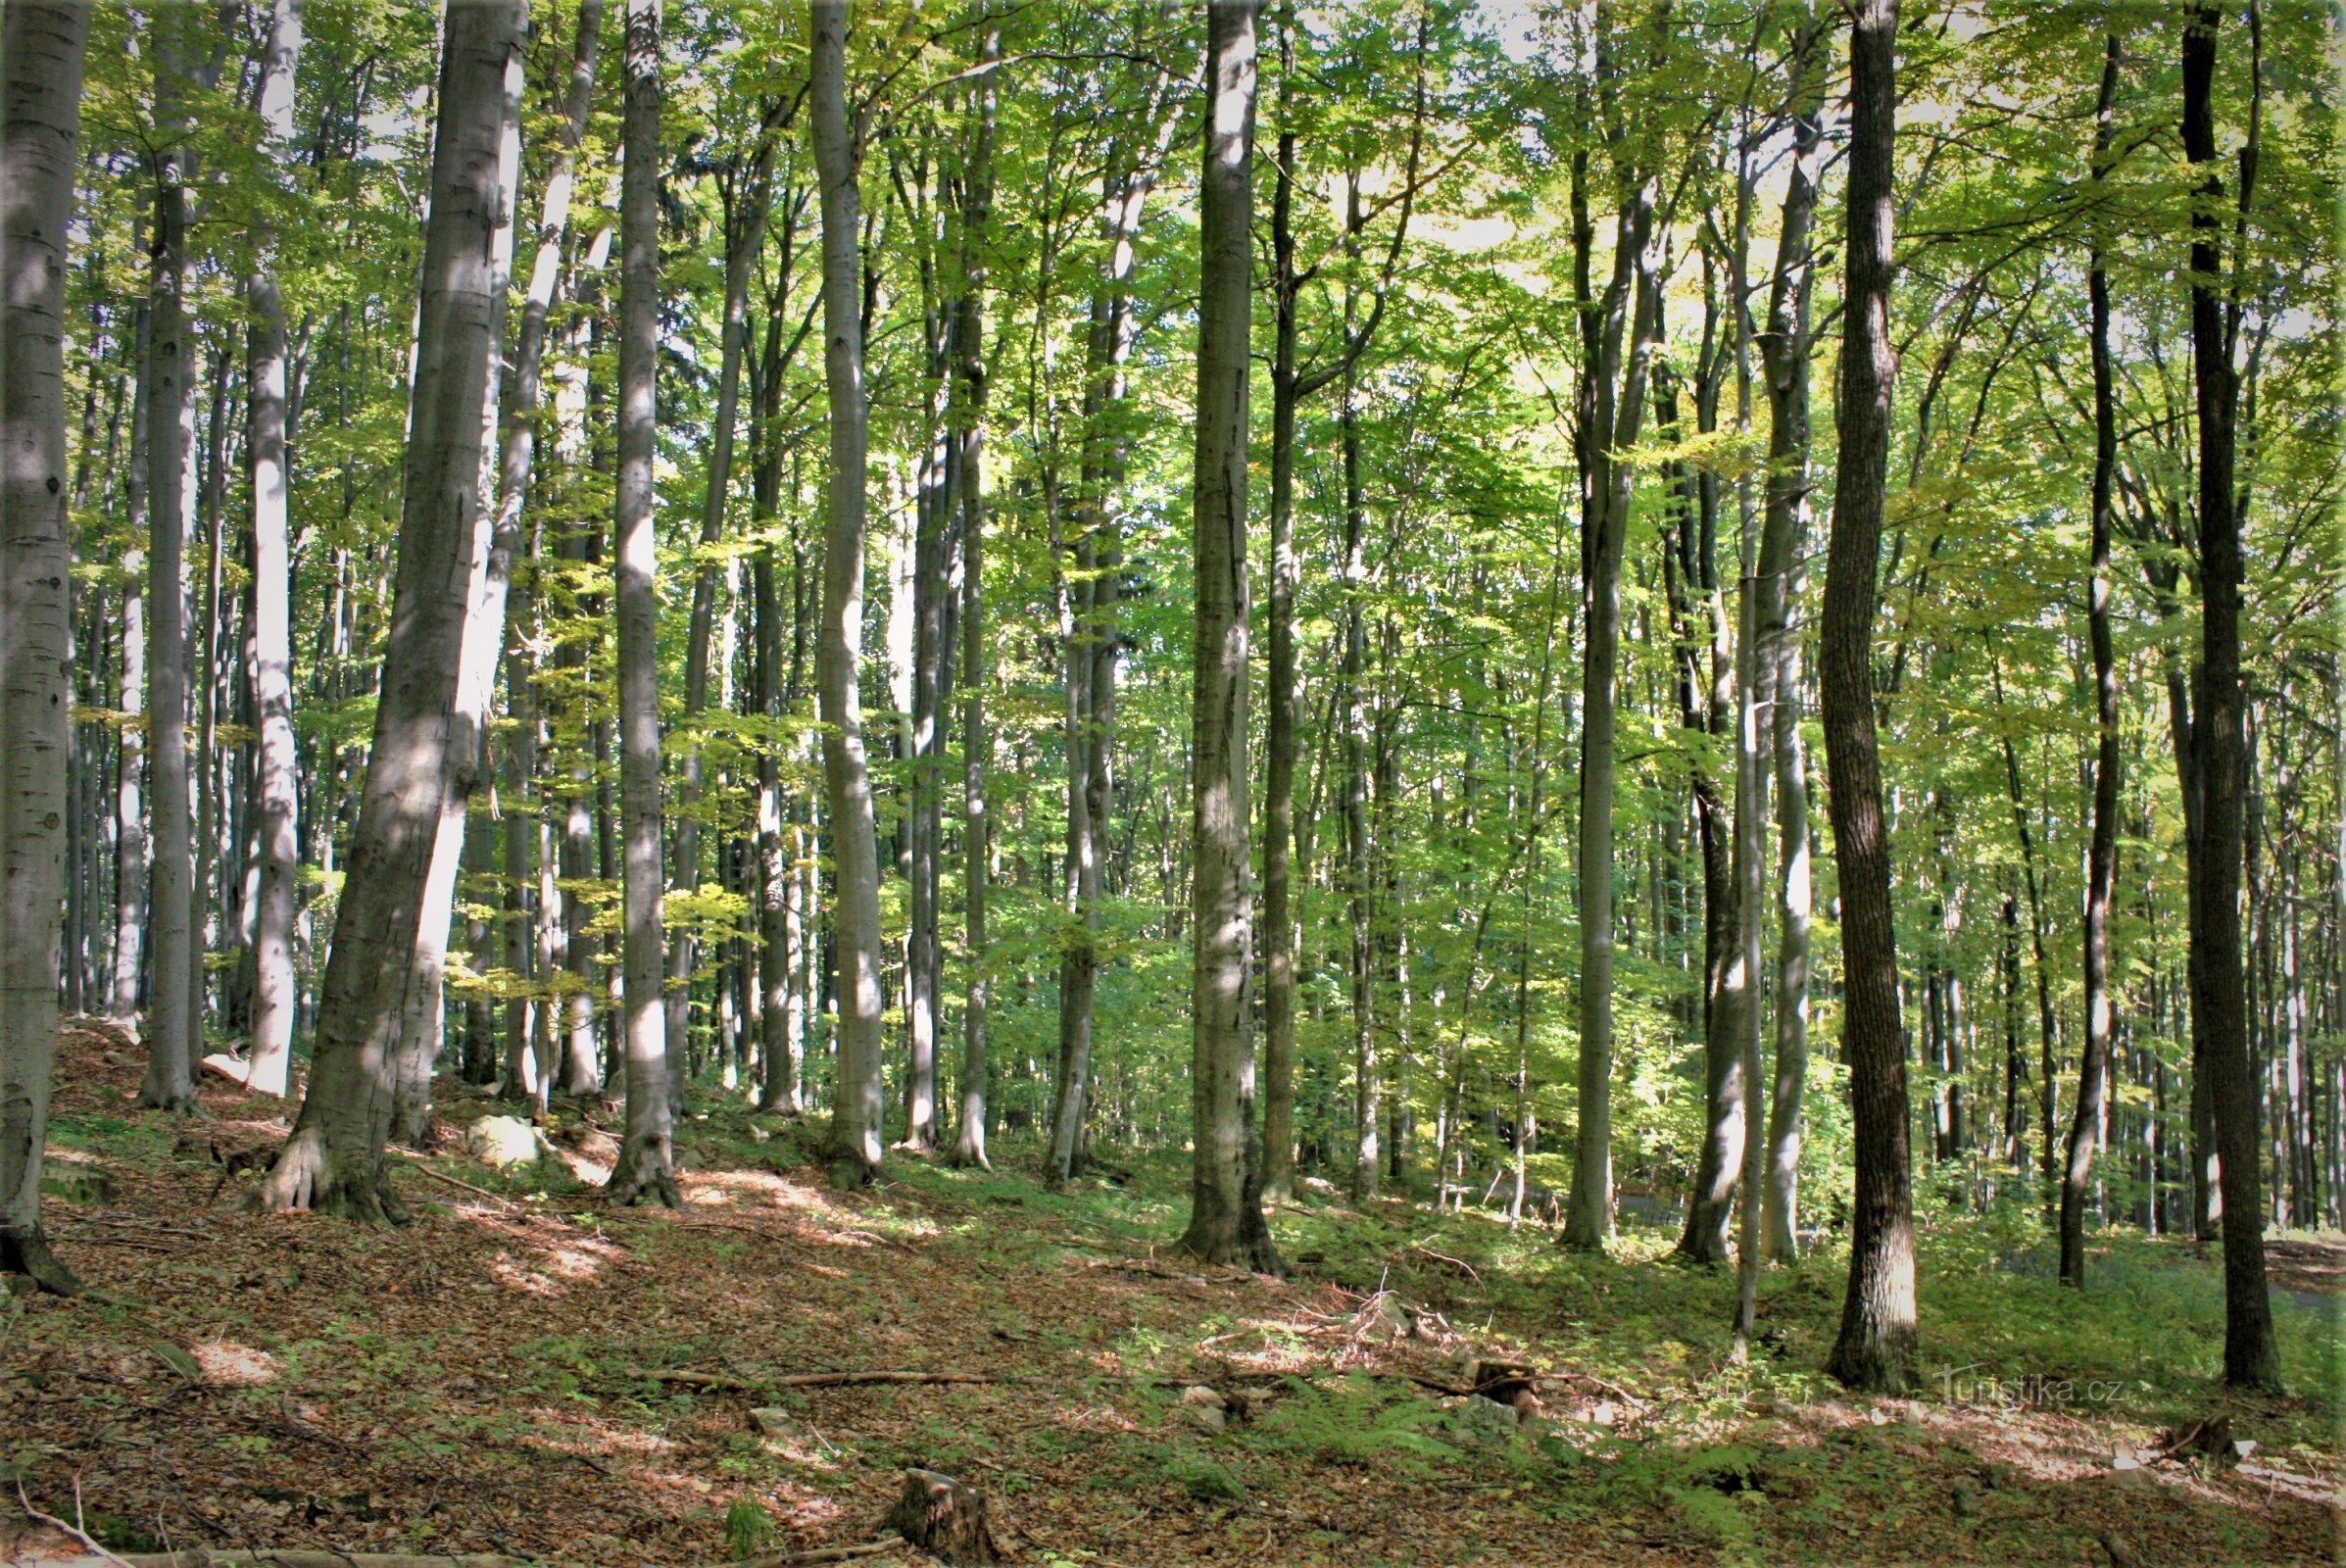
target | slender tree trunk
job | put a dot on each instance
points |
(41, 52)
(1226, 1218)
(1358, 892)
(268, 1063)
(1612, 416)
(2101, 873)
(170, 499)
(647, 1160)
(1875, 1351)
(517, 461)
(856, 1133)
(2251, 1359)
(977, 214)
(1784, 350)
(1281, 695)
(132, 822)
(425, 744)
(745, 235)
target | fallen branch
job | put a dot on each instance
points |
(790, 1559)
(200, 1557)
(442, 1176)
(75, 1531)
(814, 1380)
(1443, 1258)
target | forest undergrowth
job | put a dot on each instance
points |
(526, 1370)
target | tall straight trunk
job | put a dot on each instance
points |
(2251, 1359)
(170, 514)
(132, 822)
(933, 589)
(1874, 1350)
(780, 1032)
(1226, 1218)
(1125, 186)
(977, 216)
(743, 235)
(1282, 697)
(1358, 891)
(1611, 415)
(1785, 351)
(2047, 1021)
(2101, 862)
(277, 783)
(425, 738)
(205, 767)
(1706, 704)
(1751, 794)
(645, 1166)
(479, 646)
(41, 52)
(516, 460)
(856, 1133)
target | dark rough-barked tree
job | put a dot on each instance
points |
(1875, 1351)
(425, 748)
(2251, 1358)
(41, 50)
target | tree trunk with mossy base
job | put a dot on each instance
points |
(41, 52)
(424, 746)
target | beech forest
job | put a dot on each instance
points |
(1304, 782)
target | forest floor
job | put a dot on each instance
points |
(526, 1370)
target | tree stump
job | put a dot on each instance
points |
(1508, 1383)
(942, 1516)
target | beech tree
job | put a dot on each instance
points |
(41, 50)
(536, 591)
(856, 1132)
(1226, 1218)
(425, 748)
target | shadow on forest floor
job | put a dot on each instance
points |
(526, 1370)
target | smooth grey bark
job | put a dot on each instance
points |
(170, 1082)
(517, 461)
(745, 236)
(423, 1026)
(2251, 1356)
(1874, 1350)
(426, 743)
(1126, 185)
(277, 782)
(130, 820)
(854, 1143)
(781, 1011)
(41, 54)
(1708, 694)
(1611, 415)
(977, 216)
(645, 1166)
(1786, 347)
(1357, 879)
(1226, 1216)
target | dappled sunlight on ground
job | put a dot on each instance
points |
(532, 1371)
